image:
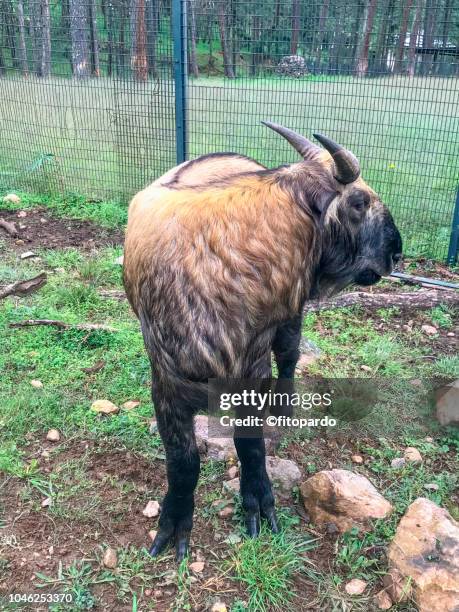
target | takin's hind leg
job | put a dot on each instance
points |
(176, 427)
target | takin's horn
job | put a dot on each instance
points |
(346, 164)
(306, 148)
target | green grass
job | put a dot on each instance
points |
(268, 573)
(106, 213)
(266, 566)
(402, 129)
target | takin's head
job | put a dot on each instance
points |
(359, 239)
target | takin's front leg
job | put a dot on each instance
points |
(176, 427)
(286, 346)
(256, 492)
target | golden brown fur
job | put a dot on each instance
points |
(242, 245)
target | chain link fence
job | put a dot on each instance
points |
(99, 97)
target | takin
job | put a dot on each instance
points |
(221, 256)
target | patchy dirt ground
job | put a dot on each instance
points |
(37, 228)
(62, 504)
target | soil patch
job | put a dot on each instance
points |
(37, 228)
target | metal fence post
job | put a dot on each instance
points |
(180, 77)
(454, 240)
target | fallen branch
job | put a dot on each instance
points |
(410, 299)
(10, 228)
(24, 287)
(62, 325)
(113, 294)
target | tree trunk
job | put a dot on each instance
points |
(321, 33)
(412, 57)
(193, 62)
(79, 38)
(46, 39)
(362, 62)
(139, 61)
(402, 36)
(121, 48)
(256, 34)
(381, 44)
(227, 65)
(95, 64)
(428, 35)
(22, 51)
(36, 34)
(152, 12)
(110, 36)
(295, 26)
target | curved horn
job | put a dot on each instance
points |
(306, 148)
(346, 164)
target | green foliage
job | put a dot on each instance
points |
(266, 566)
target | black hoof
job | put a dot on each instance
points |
(270, 516)
(161, 541)
(252, 523)
(181, 547)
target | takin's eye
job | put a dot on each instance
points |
(358, 202)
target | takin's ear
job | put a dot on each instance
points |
(322, 199)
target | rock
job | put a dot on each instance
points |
(53, 435)
(330, 528)
(425, 550)
(431, 486)
(153, 427)
(157, 593)
(226, 512)
(355, 587)
(37, 384)
(221, 449)
(429, 330)
(396, 586)
(383, 601)
(219, 606)
(119, 260)
(358, 459)
(11, 198)
(110, 558)
(27, 255)
(151, 510)
(343, 498)
(447, 404)
(293, 66)
(283, 473)
(21, 214)
(152, 534)
(131, 404)
(366, 368)
(197, 567)
(47, 502)
(304, 361)
(398, 462)
(412, 455)
(429, 439)
(233, 486)
(232, 472)
(104, 407)
(451, 334)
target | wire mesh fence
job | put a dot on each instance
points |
(92, 101)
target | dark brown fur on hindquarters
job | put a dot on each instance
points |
(218, 273)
